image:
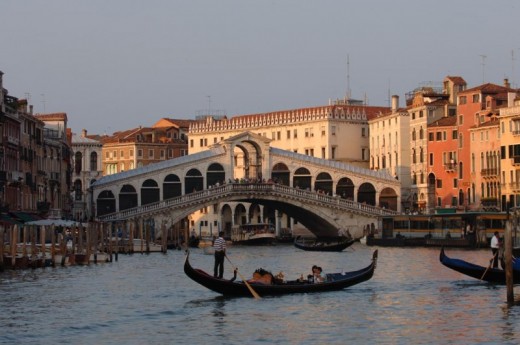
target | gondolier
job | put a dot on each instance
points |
(220, 253)
(495, 245)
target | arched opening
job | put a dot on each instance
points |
(255, 214)
(215, 175)
(172, 187)
(388, 199)
(240, 215)
(226, 216)
(367, 194)
(193, 181)
(127, 197)
(281, 174)
(78, 192)
(345, 188)
(149, 192)
(302, 179)
(323, 183)
(105, 203)
(78, 166)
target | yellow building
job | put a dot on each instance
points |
(510, 152)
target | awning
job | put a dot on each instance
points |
(6, 219)
(25, 217)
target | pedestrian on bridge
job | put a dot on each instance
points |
(220, 253)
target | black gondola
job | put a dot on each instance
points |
(333, 282)
(491, 275)
(323, 244)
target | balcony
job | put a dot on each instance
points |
(450, 167)
(515, 161)
(489, 173)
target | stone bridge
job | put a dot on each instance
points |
(322, 195)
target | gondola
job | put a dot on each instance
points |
(491, 275)
(322, 244)
(333, 282)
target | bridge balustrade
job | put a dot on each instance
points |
(218, 192)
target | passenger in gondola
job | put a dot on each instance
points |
(316, 276)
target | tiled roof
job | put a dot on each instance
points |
(456, 80)
(79, 139)
(446, 121)
(488, 88)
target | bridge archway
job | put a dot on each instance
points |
(240, 216)
(248, 155)
(226, 216)
(302, 179)
(323, 183)
(106, 202)
(255, 214)
(149, 192)
(281, 174)
(172, 186)
(367, 194)
(127, 197)
(215, 174)
(193, 181)
(345, 188)
(388, 199)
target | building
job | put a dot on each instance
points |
(510, 152)
(138, 147)
(390, 146)
(87, 168)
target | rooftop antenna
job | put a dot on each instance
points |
(483, 63)
(43, 102)
(513, 67)
(389, 94)
(348, 77)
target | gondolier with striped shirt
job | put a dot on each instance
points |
(220, 253)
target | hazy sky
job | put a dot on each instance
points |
(117, 64)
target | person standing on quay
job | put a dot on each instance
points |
(495, 244)
(220, 252)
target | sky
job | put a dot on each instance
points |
(118, 64)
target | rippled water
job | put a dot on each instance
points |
(147, 299)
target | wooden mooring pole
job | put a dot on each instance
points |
(508, 246)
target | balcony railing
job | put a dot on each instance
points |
(450, 167)
(488, 173)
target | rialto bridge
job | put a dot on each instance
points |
(267, 183)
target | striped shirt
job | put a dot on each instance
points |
(220, 244)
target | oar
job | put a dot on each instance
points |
(253, 292)
(490, 263)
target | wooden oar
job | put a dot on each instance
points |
(253, 292)
(490, 263)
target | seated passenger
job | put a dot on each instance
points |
(262, 276)
(316, 274)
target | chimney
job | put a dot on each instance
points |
(31, 109)
(511, 99)
(83, 133)
(506, 83)
(395, 103)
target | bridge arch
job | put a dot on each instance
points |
(345, 188)
(128, 197)
(367, 194)
(215, 174)
(240, 214)
(193, 181)
(172, 186)
(106, 202)
(149, 192)
(388, 199)
(226, 216)
(302, 179)
(281, 174)
(323, 183)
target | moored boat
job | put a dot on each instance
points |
(488, 274)
(254, 234)
(333, 282)
(337, 244)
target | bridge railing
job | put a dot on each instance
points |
(216, 193)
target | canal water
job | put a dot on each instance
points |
(147, 299)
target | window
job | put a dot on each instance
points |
(455, 183)
(430, 136)
(306, 132)
(439, 136)
(333, 153)
(93, 161)
(122, 154)
(363, 132)
(363, 154)
(431, 159)
(295, 134)
(201, 142)
(461, 120)
(205, 142)
(322, 131)
(279, 135)
(162, 154)
(454, 134)
(476, 98)
(140, 153)
(439, 183)
(333, 130)
(107, 155)
(114, 154)
(150, 153)
(288, 134)
(131, 153)
(462, 100)
(191, 142)
(323, 152)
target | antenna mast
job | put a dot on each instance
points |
(483, 63)
(513, 67)
(348, 77)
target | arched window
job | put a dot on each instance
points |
(93, 161)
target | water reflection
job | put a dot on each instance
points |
(142, 299)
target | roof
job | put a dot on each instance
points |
(52, 117)
(456, 80)
(168, 164)
(79, 139)
(489, 88)
(446, 121)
